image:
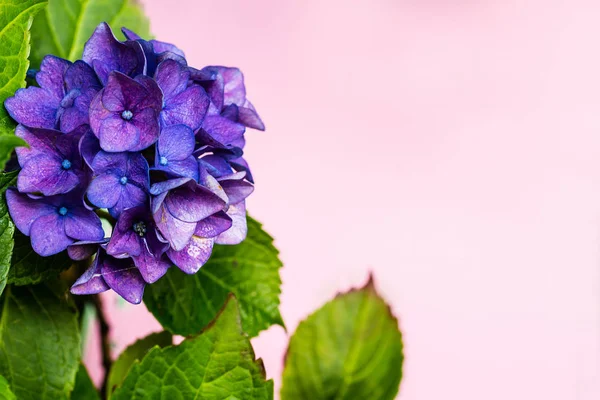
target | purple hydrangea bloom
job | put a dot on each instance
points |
(61, 101)
(124, 115)
(95, 127)
(120, 181)
(135, 236)
(52, 163)
(53, 222)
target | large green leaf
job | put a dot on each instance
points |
(7, 144)
(84, 387)
(218, 364)
(349, 349)
(184, 304)
(15, 20)
(39, 342)
(133, 353)
(29, 268)
(64, 27)
(5, 392)
(7, 228)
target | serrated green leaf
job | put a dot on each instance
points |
(349, 349)
(29, 268)
(133, 353)
(64, 27)
(184, 304)
(5, 392)
(218, 364)
(39, 342)
(7, 145)
(7, 228)
(15, 20)
(84, 387)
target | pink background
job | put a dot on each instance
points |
(453, 148)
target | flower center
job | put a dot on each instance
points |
(163, 161)
(127, 115)
(69, 99)
(140, 228)
(66, 164)
(62, 211)
(123, 180)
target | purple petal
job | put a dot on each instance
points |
(165, 186)
(116, 134)
(34, 107)
(105, 53)
(122, 276)
(220, 132)
(51, 75)
(83, 224)
(84, 249)
(25, 210)
(161, 47)
(91, 281)
(184, 168)
(137, 170)
(193, 256)
(146, 121)
(151, 266)
(188, 107)
(238, 231)
(249, 117)
(192, 202)
(131, 196)
(45, 174)
(124, 244)
(234, 91)
(172, 78)
(89, 146)
(40, 141)
(175, 231)
(48, 235)
(104, 191)
(215, 165)
(176, 143)
(214, 225)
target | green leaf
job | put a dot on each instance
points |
(218, 364)
(15, 20)
(7, 228)
(5, 392)
(184, 304)
(351, 348)
(29, 268)
(133, 353)
(7, 145)
(39, 342)
(64, 27)
(84, 387)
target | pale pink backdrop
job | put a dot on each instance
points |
(453, 148)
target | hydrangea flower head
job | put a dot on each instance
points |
(133, 135)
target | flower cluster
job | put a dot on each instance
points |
(133, 135)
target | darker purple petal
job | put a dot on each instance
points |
(91, 282)
(105, 53)
(214, 225)
(124, 278)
